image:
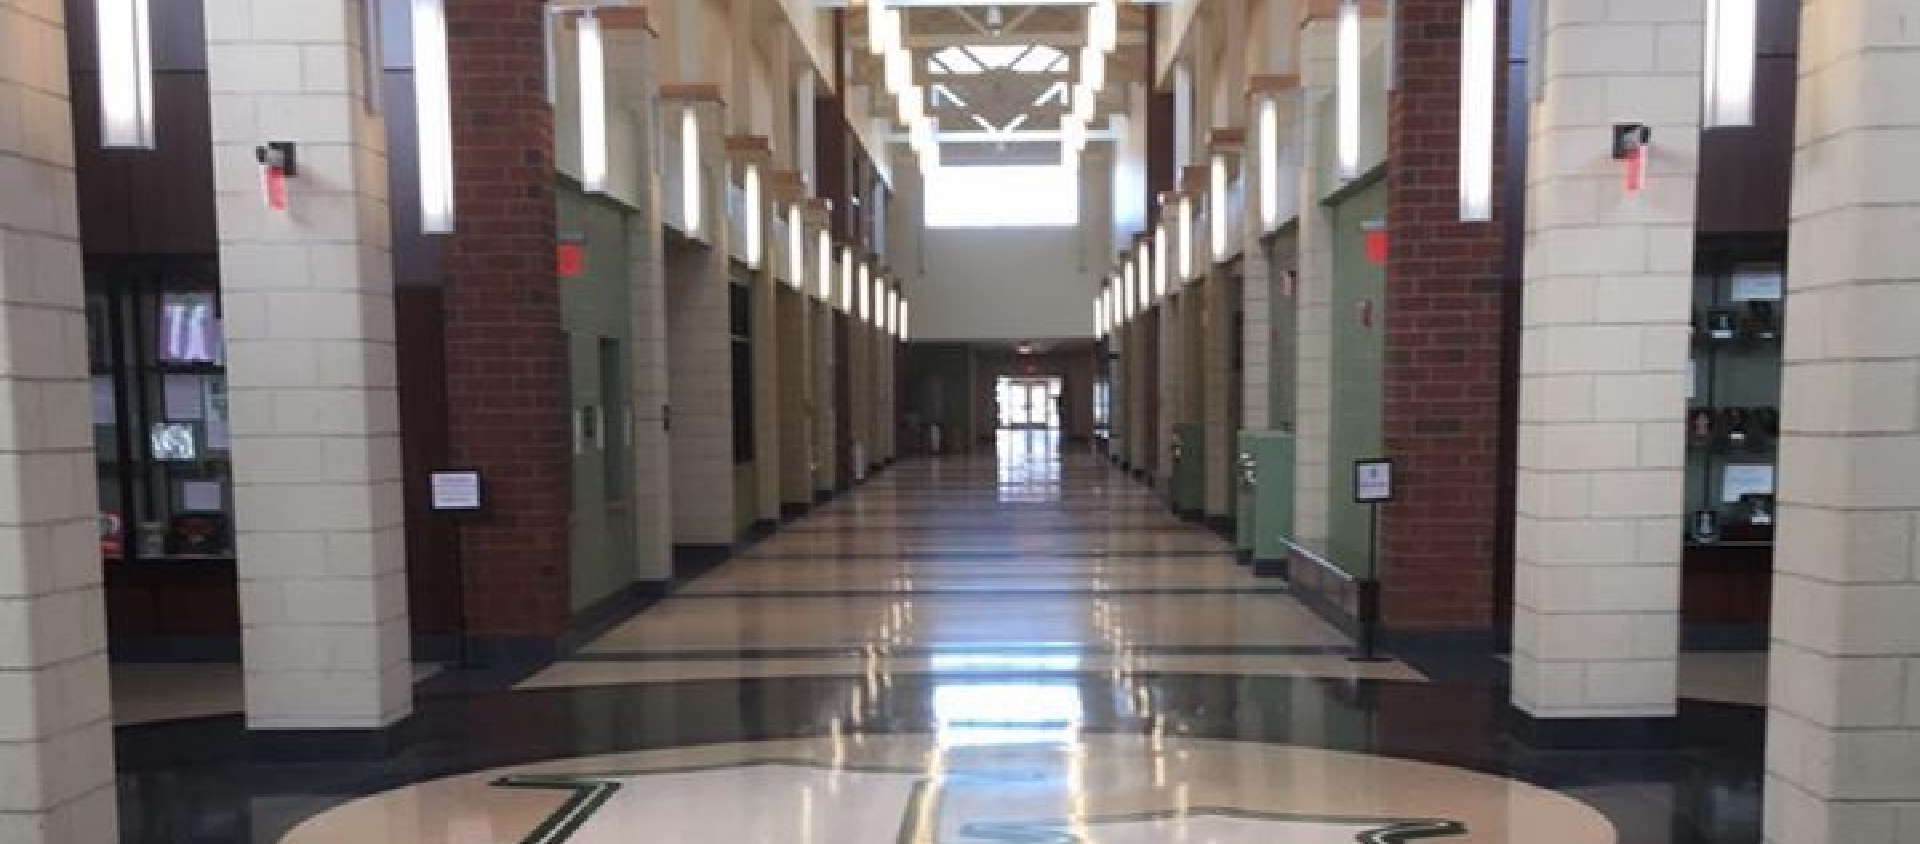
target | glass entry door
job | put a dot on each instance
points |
(1029, 403)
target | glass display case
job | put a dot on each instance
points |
(162, 440)
(1733, 407)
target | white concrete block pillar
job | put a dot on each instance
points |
(1609, 291)
(308, 302)
(1843, 739)
(652, 392)
(1175, 387)
(1218, 342)
(1313, 338)
(826, 416)
(56, 730)
(699, 343)
(752, 151)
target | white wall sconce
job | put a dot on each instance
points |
(1269, 163)
(796, 248)
(847, 271)
(755, 223)
(1160, 259)
(592, 53)
(1347, 92)
(1479, 40)
(1732, 39)
(1217, 208)
(824, 289)
(691, 189)
(125, 42)
(433, 97)
(1186, 238)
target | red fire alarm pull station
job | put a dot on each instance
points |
(570, 255)
(1630, 142)
(277, 163)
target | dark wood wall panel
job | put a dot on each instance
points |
(148, 202)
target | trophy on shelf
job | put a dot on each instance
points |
(1721, 325)
(1763, 322)
(1735, 421)
(1704, 527)
(1758, 509)
(1700, 427)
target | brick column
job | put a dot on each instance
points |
(506, 351)
(1843, 747)
(308, 304)
(1313, 358)
(1604, 353)
(56, 731)
(1442, 370)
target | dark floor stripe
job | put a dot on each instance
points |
(985, 592)
(985, 651)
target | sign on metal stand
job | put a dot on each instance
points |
(1372, 486)
(459, 493)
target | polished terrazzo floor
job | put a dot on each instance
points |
(1024, 648)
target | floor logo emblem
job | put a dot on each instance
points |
(765, 800)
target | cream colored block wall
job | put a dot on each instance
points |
(826, 452)
(1313, 358)
(56, 728)
(767, 415)
(1139, 451)
(651, 394)
(1604, 354)
(796, 386)
(1175, 406)
(699, 364)
(307, 297)
(1843, 754)
(1218, 342)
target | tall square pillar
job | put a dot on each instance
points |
(1843, 740)
(307, 298)
(56, 730)
(1604, 356)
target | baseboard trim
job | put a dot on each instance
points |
(1591, 733)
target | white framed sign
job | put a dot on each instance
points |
(1373, 481)
(457, 491)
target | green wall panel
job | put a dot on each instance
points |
(1359, 321)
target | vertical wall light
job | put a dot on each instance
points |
(825, 288)
(433, 96)
(845, 299)
(1217, 208)
(1269, 163)
(1347, 94)
(1479, 35)
(126, 73)
(906, 323)
(796, 248)
(1731, 40)
(1160, 259)
(690, 180)
(756, 222)
(592, 51)
(1185, 247)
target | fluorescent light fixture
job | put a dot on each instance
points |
(906, 312)
(876, 27)
(1478, 37)
(846, 279)
(1269, 163)
(825, 285)
(1732, 40)
(1103, 25)
(1348, 92)
(690, 188)
(433, 100)
(756, 223)
(125, 43)
(1128, 294)
(1186, 239)
(592, 49)
(796, 248)
(1093, 68)
(862, 303)
(898, 70)
(1160, 259)
(1217, 207)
